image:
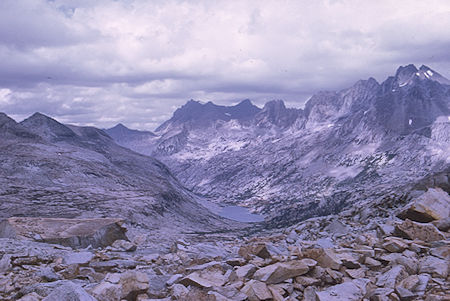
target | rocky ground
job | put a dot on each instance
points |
(395, 249)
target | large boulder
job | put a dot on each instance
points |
(76, 233)
(432, 205)
(412, 230)
(326, 258)
(280, 271)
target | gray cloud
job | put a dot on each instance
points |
(135, 61)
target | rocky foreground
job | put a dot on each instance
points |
(396, 249)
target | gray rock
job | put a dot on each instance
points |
(336, 227)
(404, 294)
(69, 292)
(392, 277)
(349, 291)
(325, 243)
(280, 271)
(123, 245)
(432, 205)
(106, 291)
(245, 271)
(79, 233)
(442, 224)
(413, 230)
(256, 291)
(48, 274)
(81, 258)
(5, 263)
(434, 266)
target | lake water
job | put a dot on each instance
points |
(240, 214)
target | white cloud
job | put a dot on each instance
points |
(131, 61)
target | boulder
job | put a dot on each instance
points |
(441, 252)
(256, 291)
(76, 233)
(230, 293)
(179, 291)
(349, 291)
(372, 263)
(434, 266)
(69, 291)
(326, 258)
(126, 285)
(106, 291)
(48, 274)
(416, 284)
(123, 245)
(410, 264)
(5, 264)
(204, 279)
(280, 271)
(394, 244)
(405, 294)
(392, 277)
(245, 271)
(413, 230)
(432, 205)
(257, 249)
(442, 224)
(336, 227)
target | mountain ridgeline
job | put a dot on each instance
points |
(365, 142)
(54, 170)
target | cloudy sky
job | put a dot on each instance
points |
(103, 62)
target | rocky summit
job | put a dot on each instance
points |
(353, 191)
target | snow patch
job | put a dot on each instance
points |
(410, 121)
(403, 84)
(228, 114)
(429, 72)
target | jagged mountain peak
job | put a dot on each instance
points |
(120, 126)
(5, 119)
(275, 113)
(195, 114)
(245, 102)
(409, 74)
(426, 72)
(407, 70)
(276, 104)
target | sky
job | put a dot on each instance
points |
(103, 62)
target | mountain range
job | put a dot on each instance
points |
(50, 169)
(368, 141)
